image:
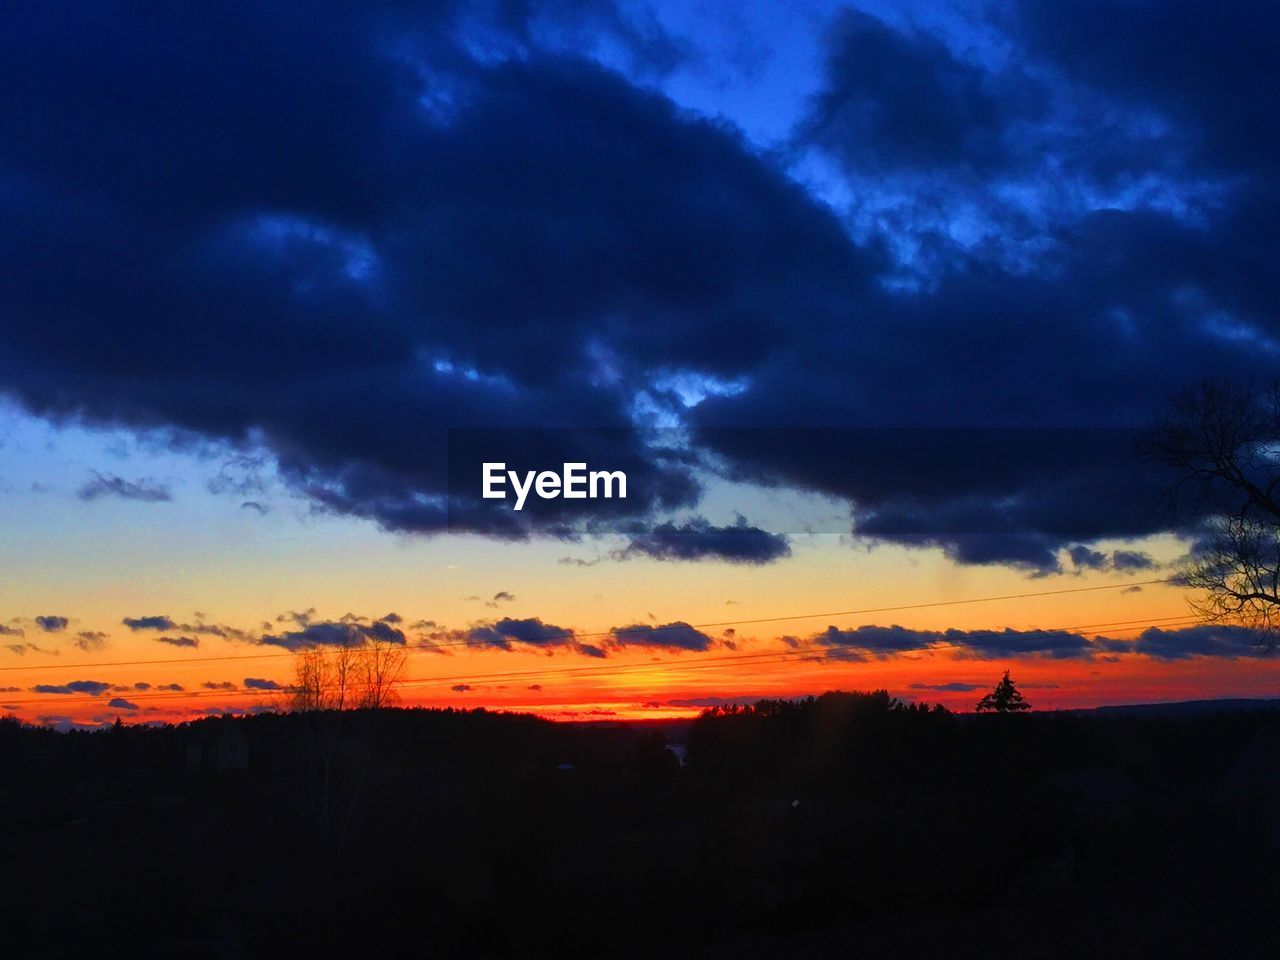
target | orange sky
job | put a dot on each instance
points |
(223, 567)
(829, 577)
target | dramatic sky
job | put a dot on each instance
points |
(864, 299)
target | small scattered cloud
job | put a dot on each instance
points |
(258, 683)
(162, 622)
(347, 632)
(698, 539)
(94, 688)
(179, 641)
(154, 622)
(110, 485)
(21, 649)
(120, 703)
(91, 640)
(50, 623)
(1120, 561)
(504, 634)
(671, 636)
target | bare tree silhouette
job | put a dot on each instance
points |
(380, 667)
(1223, 440)
(348, 676)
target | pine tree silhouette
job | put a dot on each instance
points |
(1005, 698)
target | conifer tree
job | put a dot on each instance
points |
(1005, 698)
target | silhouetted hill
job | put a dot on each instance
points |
(840, 824)
(1184, 708)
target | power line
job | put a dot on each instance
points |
(977, 638)
(644, 630)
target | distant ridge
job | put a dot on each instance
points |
(1181, 708)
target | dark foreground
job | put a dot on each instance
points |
(848, 825)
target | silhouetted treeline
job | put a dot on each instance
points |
(846, 823)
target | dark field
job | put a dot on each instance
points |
(845, 825)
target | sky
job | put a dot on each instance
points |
(866, 300)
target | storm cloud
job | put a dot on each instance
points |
(535, 238)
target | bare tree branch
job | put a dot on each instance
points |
(1223, 440)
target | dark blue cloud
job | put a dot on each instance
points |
(257, 683)
(342, 633)
(1124, 561)
(1205, 69)
(52, 624)
(1206, 640)
(505, 633)
(120, 703)
(1052, 237)
(668, 636)
(179, 641)
(698, 539)
(1132, 560)
(1080, 310)
(880, 641)
(359, 162)
(904, 100)
(92, 687)
(156, 622)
